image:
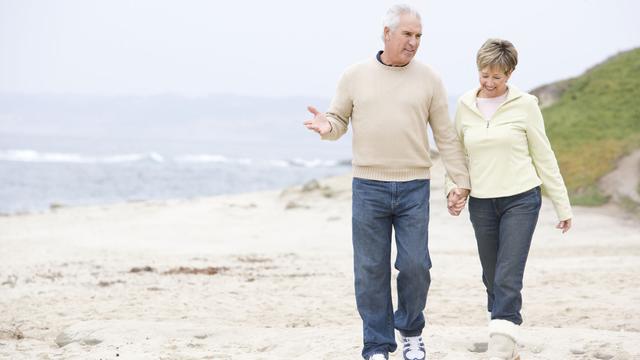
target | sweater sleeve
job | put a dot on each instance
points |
(339, 112)
(545, 161)
(446, 138)
(449, 184)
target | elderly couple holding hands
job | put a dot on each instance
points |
(496, 155)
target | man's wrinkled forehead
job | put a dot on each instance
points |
(409, 23)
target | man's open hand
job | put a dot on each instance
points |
(319, 123)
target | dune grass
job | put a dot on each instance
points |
(594, 123)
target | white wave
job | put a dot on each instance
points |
(314, 163)
(207, 158)
(305, 163)
(54, 157)
(125, 158)
(297, 162)
(155, 157)
(278, 163)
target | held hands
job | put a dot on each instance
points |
(456, 200)
(564, 225)
(319, 123)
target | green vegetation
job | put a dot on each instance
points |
(594, 123)
(588, 196)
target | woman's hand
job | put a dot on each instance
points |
(456, 200)
(564, 225)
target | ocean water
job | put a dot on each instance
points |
(36, 177)
(67, 151)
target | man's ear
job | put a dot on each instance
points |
(386, 33)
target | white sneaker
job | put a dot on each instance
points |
(377, 357)
(413, 348)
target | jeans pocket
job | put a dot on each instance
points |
(528, 201)
(368, 196)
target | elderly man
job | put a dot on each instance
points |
(389, 100)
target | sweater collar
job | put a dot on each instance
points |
(469, 98)
(379, 58)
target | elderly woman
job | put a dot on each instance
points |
(509, 158)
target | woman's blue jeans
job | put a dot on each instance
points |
(379, 207)
(504, 227)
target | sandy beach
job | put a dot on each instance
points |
(269, 276)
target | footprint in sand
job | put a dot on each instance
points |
(606, 351)
(478, 347)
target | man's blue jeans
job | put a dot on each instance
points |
(379, 206)
(504, 227)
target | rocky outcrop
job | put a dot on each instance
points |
(549, 94)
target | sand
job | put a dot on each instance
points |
(269, 276)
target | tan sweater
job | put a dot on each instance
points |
(389, 109)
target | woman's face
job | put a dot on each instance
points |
(493, 82)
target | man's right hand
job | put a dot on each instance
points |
(319, 123)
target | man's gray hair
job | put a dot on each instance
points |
(392, 18)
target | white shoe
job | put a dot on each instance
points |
(413, 348)
(377, 357)
(503, 343)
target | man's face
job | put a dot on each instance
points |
(401, 44)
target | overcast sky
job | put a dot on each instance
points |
(286, 47)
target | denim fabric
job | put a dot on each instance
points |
(504, 227)
(379, 207)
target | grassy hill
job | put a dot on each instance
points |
(592, 121)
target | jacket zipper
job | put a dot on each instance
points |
(499, 107)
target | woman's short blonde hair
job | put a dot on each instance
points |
(497, 54)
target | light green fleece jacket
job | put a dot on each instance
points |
(389, 109)
(510, 152)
